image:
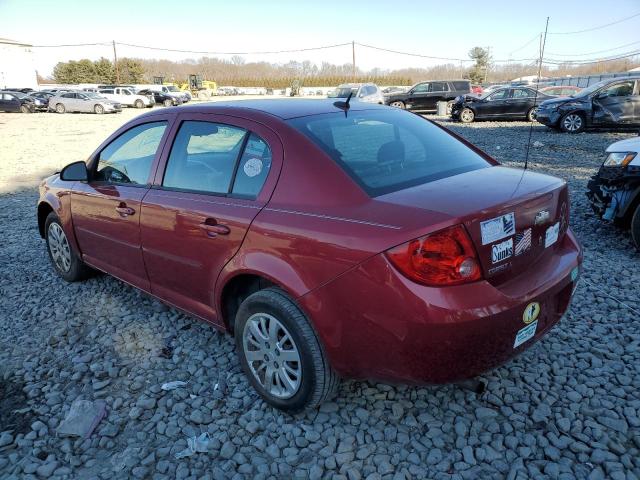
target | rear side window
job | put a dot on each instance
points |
(385, 151)
(210, 157)
(128, 159)
(439, 87)
(461, 85)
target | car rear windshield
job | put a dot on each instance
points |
(388, 150)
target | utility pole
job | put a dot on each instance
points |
(115, 62)
(353, 59)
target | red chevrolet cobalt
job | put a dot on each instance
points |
(331, 240)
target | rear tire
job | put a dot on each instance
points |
(398, 104)
(268, 326)
(167, 103)
(64, 260)
(467, 115)
(635, 228)
(139, 104)
(572, 123)
(60, 108)
(98, 109)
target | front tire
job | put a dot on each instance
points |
(572, 123)
(65, 261)
(25, 109)
(167, 103)
(60, 108)
(531, 114)
(467, 115)
(98, 109)
(281, 354)
(139, 104)
(398, 104)
(635, 228)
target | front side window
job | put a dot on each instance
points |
(128, 159)
(622, 89)
(499, 95)
(385, 151)
(69, 95)
(421, 88)
(203, 157)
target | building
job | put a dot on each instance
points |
(17, 67)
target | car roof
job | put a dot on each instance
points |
(283, 108)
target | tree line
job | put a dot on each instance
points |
(237, 72)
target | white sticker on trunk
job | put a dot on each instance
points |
(551, 235)
(498, 228)
(526, 333)
(501, 251)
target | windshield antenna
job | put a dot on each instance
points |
(543, 42)
(344, 105)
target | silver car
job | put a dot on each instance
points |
(363, 92)
(88, 102)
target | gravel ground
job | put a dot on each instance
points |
(567, 408)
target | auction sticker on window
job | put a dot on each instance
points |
(527, 333)
(551, 235)
(498, 228)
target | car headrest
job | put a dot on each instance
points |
(391, 152)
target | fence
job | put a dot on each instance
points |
(587, 80)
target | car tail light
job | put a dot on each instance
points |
(446, 257)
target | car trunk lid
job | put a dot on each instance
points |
(514, 217)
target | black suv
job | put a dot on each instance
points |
(424, 96)
(613, 103)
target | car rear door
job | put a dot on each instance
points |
(437, 92)
(519, 102)
(212, 181)
(106, 209)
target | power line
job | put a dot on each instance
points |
(598, 27)
(593, 53)
(536, 37)
(234, 53)
(596, 60)
(414, 54)
(72, 45)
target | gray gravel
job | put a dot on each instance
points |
(567, 408)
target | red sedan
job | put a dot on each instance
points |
(362, 242)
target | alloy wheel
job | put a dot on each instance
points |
(59, 247)
(572, 122)
(272, 355)
(397, 104)
(466, 115)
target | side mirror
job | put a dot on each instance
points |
(75, 172)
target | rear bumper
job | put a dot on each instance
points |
(375, 323)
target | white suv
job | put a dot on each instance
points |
(126, 97)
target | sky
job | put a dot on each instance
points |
(437, 28)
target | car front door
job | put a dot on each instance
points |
(494, 105)
(106, 209)
(210, 185)
(9, 102)
(418, 96)
(615, 104)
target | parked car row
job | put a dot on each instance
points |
(100, 99)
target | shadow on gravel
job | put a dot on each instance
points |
(13, 399)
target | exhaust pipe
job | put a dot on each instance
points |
(473, 384)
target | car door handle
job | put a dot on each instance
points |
(213, 228)
(124, 211)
